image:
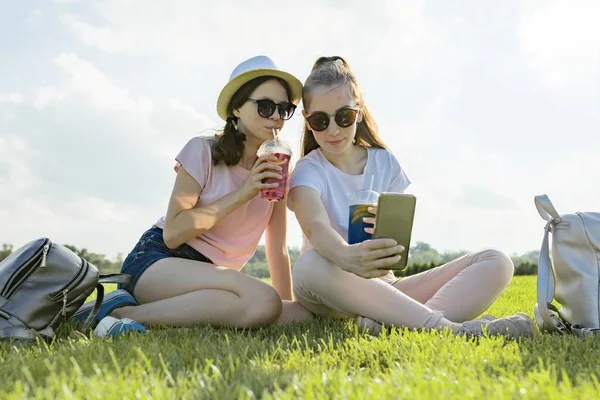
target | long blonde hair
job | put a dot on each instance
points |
(333, 71)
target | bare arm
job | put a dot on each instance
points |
(184, 222)
(366, 259)
(278, 257)
(314, 222)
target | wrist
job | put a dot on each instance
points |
(342, 255)
(241, 196)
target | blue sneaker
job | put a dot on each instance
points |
(113, 300)
(112, 327)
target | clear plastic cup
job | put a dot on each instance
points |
(283, 152)
(358, 204)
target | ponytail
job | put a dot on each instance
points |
(229, 146)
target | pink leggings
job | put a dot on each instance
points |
(457, 291)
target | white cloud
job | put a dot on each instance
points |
(16, 98)
(86, 152)
(102, 37)
(48, 95)
(190, 111)
(34, 17)
(230, 32)
(14, 171)
(85, 77)
(85, 162)
(561, 40)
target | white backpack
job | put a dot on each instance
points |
(570, 272)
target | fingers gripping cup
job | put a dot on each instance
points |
(282, 151)
(359, 204)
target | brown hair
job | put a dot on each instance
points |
(229, 146)
(327, 71)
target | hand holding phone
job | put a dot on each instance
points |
(371, 258)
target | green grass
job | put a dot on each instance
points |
(318, 359)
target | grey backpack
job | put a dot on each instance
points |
(42, 284)
(568, 271)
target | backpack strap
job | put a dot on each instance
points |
(545, 208)
(545, 286)
(584, 332)
(108, 278)
(94, 313)
(115, 278)
(545, 273)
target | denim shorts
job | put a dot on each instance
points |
(149, 249)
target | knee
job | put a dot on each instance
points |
(312, 269)
(262, 306)
(501, 264)
(301, 270)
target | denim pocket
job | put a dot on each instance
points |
(152, 240)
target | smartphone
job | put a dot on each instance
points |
(394, 220)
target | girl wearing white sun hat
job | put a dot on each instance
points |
(250, 69)
(185, 270)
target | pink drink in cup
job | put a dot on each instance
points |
(283, 152)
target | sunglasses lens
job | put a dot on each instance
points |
(286, 110)
(345, 117)
(319, 121)
(266, 108)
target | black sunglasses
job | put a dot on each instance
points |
(266, 108)
(344, 117)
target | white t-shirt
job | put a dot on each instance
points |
(335, 187)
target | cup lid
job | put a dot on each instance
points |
(364, 196)
(274, 145)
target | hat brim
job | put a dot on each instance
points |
(235, 84)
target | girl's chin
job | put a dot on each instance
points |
(337, 148)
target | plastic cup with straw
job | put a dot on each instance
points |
(283, 153)
(359, 204)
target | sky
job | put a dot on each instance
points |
(485, 105)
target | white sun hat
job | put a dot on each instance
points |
(250, 69)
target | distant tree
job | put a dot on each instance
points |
(526, 268)
(448, 256)
(421, 258)
(422, 253)
(6, 251)
(103, 264)
(530, 257)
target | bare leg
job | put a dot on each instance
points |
(293, 311)
(180, 292)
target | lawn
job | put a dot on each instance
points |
(319, 359)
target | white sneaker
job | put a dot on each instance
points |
(513, 327)
(485, 318)
(368, 325)
(112, 327)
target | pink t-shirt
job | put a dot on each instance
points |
(233, 240)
